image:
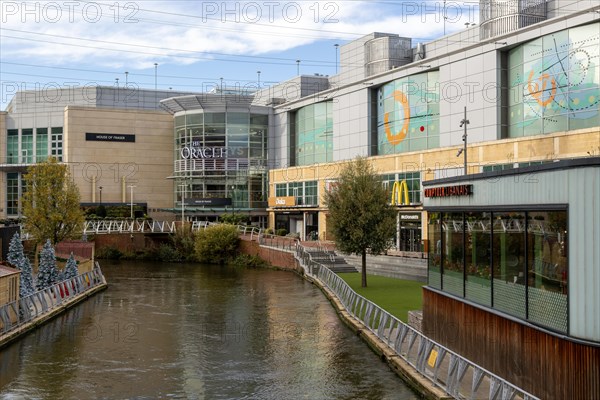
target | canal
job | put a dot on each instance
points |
(197, 332)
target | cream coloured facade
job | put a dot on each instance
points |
(116, 166)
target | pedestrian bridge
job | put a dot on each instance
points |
(147, 226)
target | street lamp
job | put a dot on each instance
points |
(182, 203)
(463, 123)
(232, 199)
(100, 187)
(131, 191)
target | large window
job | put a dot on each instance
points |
(413, 186)
(56, 148)
(12, 146)
(41, 144)
(554, 82)
(515, 262)
(314, 133)
(408, 114)
(12, 193)
(305, 193)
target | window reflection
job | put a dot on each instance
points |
(452, 253)
(478, 257)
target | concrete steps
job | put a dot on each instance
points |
(331, 260)
(394, 267)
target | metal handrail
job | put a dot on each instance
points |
(443, 367)
(26, 309)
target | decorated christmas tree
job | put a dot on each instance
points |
(70, 269)
(47, 271)
(16, 257)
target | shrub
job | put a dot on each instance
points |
(109, 253)
(281, 232)
(268, 231)
(217, 244)
(248, 261)
(233, 219)
(184, 242)
(167, 253)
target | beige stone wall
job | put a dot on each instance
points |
(146, 163)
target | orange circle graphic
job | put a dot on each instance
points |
(537, 93)
(398, 137)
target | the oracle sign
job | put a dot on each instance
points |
(195, 152)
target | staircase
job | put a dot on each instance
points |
(330, 259)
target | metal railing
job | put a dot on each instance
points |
(279, 242)
(457, 376)
(128, 226)
(26, 309)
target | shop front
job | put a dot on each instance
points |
(512, 268)
(408, 232)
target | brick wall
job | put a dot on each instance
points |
(277, 258)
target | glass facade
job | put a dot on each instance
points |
(31, 145)
(306, 193)
(513, 261)
(314, 133)
(221, 155)
(56, 149)
(554, 83)
(408, 114)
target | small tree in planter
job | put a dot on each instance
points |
(16, 257)
(47, 271)
(71, 270)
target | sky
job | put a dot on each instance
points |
(45, 44)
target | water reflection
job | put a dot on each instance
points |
(196, 332)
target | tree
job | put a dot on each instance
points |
(16, 257)
(51, 203)
(47, 271)
(217, 244)
(71, 270)
(360, 216)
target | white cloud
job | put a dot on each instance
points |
(178, 32)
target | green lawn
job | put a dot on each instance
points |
(396, 296)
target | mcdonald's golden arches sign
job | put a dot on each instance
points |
(398, 190)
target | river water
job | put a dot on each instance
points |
(197, 332)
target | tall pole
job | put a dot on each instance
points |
(155, 76)
(131, 198)
(298, 67)
(182, 186)
(337, 46)
(126, 78)
(258, 72)
(464, 124)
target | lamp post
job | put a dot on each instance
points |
(233, 199)
(463, 123)
(100, 187)
(182, 186)
(131, 198)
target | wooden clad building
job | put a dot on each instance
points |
(514, 271)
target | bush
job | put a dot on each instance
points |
(183, 242)
(268, 231)
(217, 244)
(109, 253)
(248, 261)
(167, 253)
(281, 232)
(233, 219)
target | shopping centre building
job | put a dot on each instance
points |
(487, 108)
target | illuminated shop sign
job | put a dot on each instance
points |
(410, 217)
(449, 191)
(285, 201)
(195, 152)
(109, 137)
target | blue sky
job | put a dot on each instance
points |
(195, 43)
